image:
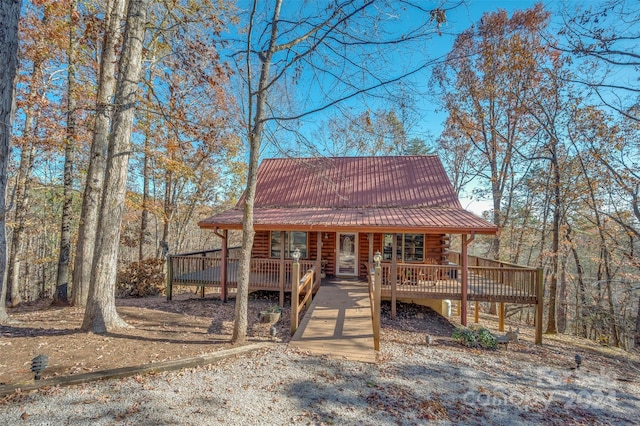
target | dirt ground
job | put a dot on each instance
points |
(189, 326)
(160, 331)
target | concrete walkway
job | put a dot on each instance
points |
(338, 323)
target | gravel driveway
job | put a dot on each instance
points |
(412, 384)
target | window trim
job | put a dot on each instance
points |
(400, 247)
(288, 249)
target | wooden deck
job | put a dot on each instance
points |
(338, 323)
(487, 280)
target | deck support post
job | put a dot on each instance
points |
(223, 266)
(539, 307)
(501, 317)
(476, 313)
(169, 278)
(465, 276)
(282, 266)
(203, 268)
(295, 281)
(394, 274)
(370, 238)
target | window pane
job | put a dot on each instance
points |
(298, 240)
(387, 248)
(413, 247)
(275, 244)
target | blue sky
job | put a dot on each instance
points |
(461, 19)
(396, 62)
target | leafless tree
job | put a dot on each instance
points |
(9, 13)
(312, 57)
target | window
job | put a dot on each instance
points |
(413, 247)
(292, 240)
(409, 247)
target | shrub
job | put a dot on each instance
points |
(140, 279)
(486, 339)
(465, 336)
(474, 337)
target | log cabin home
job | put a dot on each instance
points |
(339, 211)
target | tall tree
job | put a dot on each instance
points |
(548, 108)
(486, 80)
(60, 296)
(31, 109)
(333, 49)
(9, 13)
(97, 157)
(100, 314)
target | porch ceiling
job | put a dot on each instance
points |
(396, 219)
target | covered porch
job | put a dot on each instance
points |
(462, 278)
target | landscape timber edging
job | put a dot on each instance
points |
(118, 373)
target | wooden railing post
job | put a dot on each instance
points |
(295, 282)
(539, 307)
(169, 279)
(223, 267)
(377, 291)
(464, 281)
(394, 275)
(204, 267)
(314, 274)
(281, 270)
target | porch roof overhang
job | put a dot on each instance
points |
(379, 219)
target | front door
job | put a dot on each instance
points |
(347, 254)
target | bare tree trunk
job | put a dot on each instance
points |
(101, 315)
(144, 216)
(562, 297)
(255, 128)
(605, 258)
(636, 338)
(21, 191)
(168, 205)
(60, 296)
(97, 161)
(22, 200)
(9, 13)
(581, 297)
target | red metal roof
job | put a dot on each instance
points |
(403, 181)
(441, 220)
(365, 193)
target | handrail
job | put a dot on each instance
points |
(201, 252)
(375, 289)
(499, 262)
(370, 278)
(297, 286)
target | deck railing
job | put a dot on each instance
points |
(302, 286)
(375, 280)
(490, 281)
(203, 269)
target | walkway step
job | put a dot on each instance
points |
(338, 323)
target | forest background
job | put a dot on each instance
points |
(534, 112)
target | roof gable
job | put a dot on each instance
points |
(354, 182)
